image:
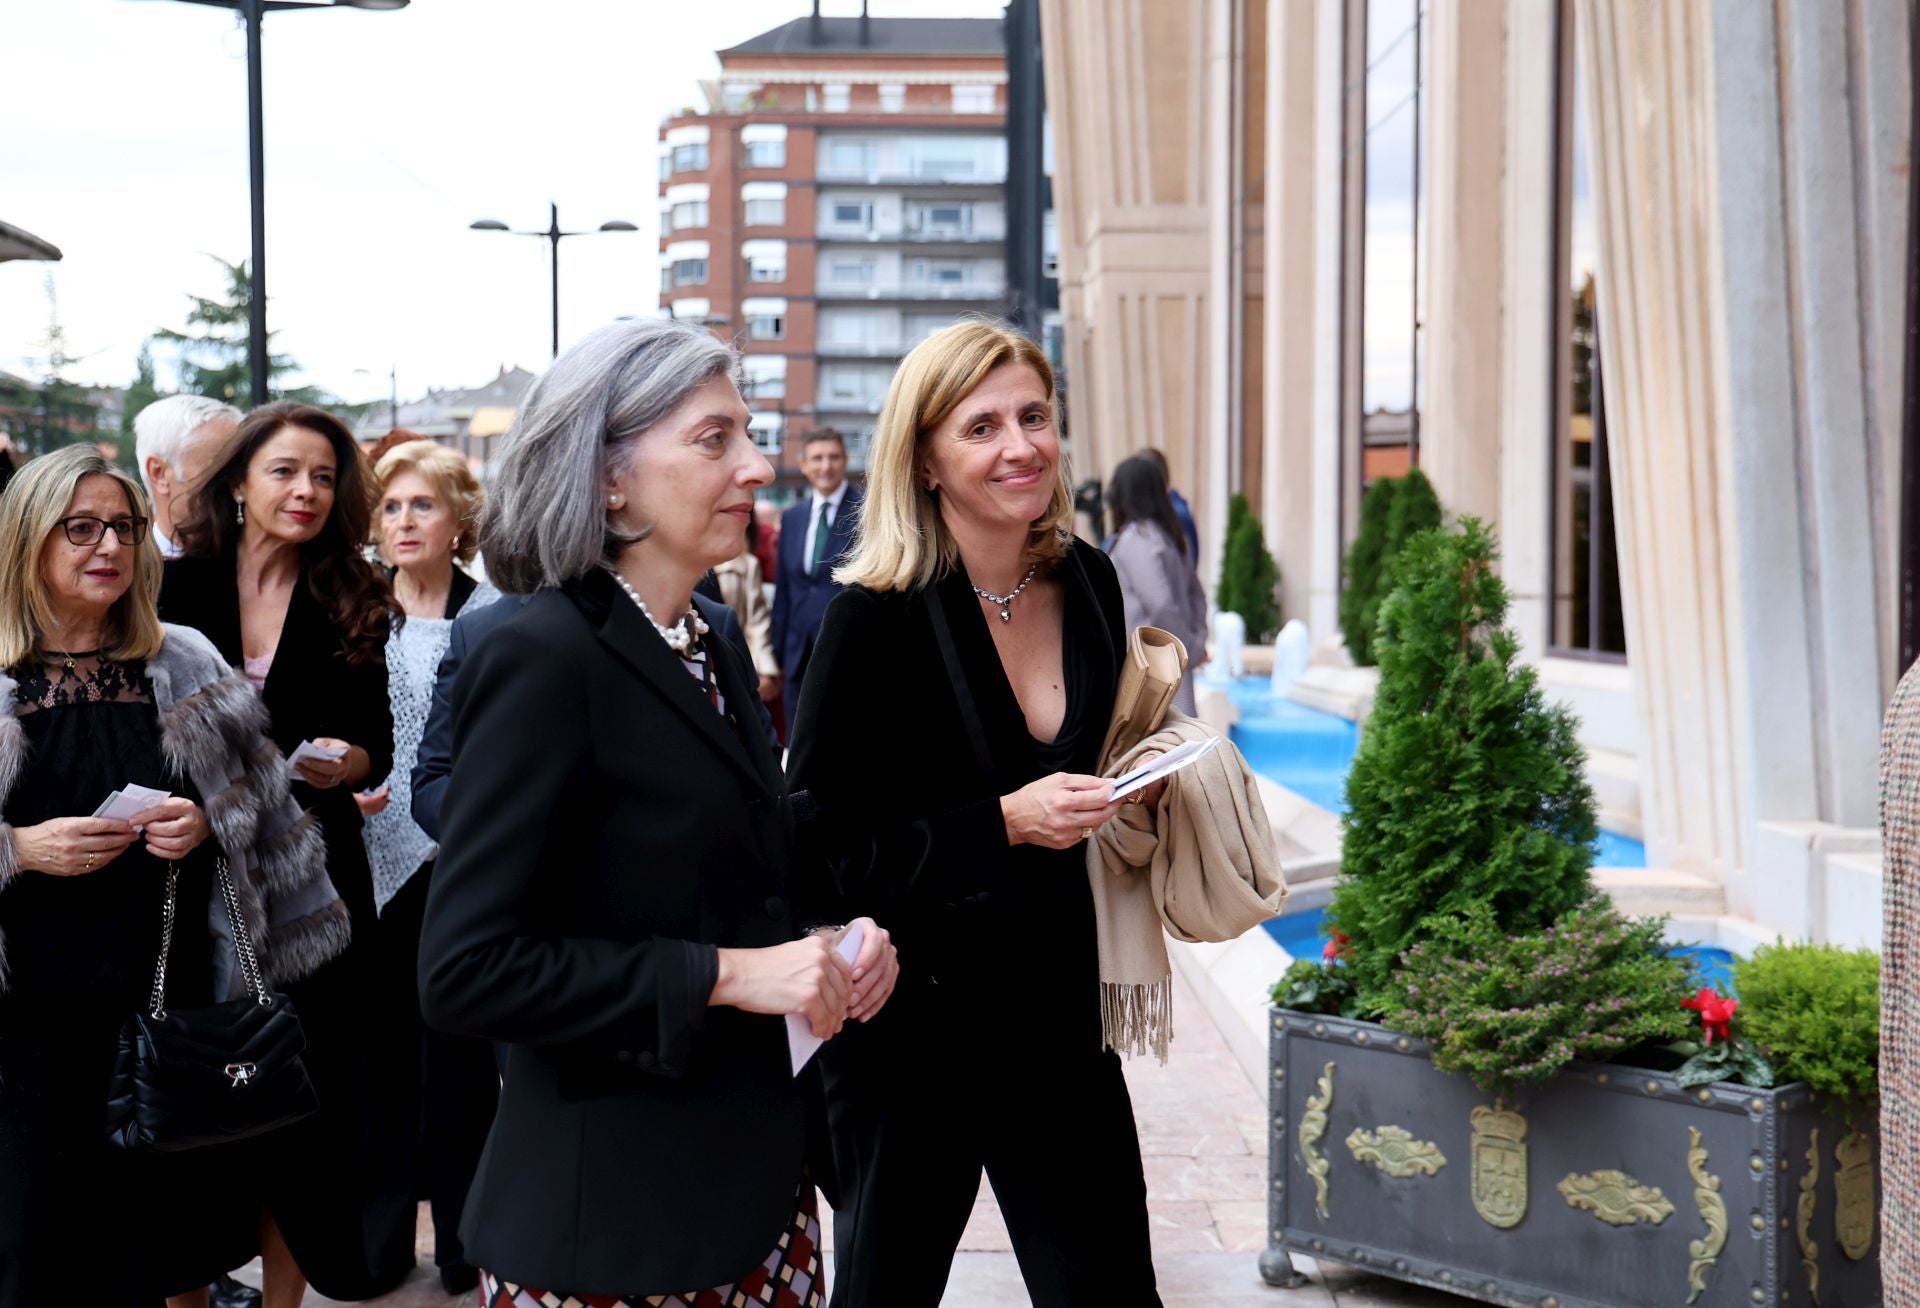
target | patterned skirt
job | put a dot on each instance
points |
(789, 1278)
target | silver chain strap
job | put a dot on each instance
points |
(242, 942)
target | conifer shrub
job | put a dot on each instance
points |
(1394, 511)
(1814, 1010)
(1468, 790)
(1248, 575)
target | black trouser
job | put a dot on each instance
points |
(919, 1106)
(458, 1086)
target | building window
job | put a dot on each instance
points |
(944, 220)
(851, 272)
(893, 98)
(855, 214)
(666, 165)
(835, 98)
(1587, 613)
(767, 327)
(690, 272)
(1050, 244)
(1392, 296)
(689, 158)
(691, 214)
(973, 99)
(946, 159)
(765, 213)
(766, 154)
(767, 267)
(940, 272)
(767, 430)
(850, 156)
(737, 97)
(765, 376)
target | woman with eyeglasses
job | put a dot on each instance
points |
(275, 575)
(99, 695)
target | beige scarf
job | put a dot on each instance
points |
(1204, 866)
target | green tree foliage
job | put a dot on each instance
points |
(1815, 1011)
(1512, 1010)
(1249, 577)
(143, 392)
(213, 349)
(1468, 788)
(1394, 511)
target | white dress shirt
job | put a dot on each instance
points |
(814, 502)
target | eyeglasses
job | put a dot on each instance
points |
(82, 530)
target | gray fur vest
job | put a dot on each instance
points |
(213, 732)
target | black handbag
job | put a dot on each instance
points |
(202, 1076)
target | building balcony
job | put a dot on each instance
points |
(827, 173)
(909, 236)
(964, 292)
(859, 349)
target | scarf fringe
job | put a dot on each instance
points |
(1136, 1018)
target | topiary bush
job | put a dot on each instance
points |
(1512, 1010)
(1815, 1011)
(1394, 511)
(1248, 575)
(1468, 788)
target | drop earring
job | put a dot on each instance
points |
(240, 512)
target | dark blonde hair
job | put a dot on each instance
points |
(35, 500)
(452, 480)
(901, 542)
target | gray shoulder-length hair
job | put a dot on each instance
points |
(546, 517)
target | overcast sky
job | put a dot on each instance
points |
(123, 140)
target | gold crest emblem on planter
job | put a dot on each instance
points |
(1616, 1198)
(1394, 1151)
(1803, 1229)
(1713, 1211)
(1499, 1159)
(1853, 1215)
(1313, 1129)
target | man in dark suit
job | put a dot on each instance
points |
(815, 533)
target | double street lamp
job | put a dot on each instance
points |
(552, 236)
(251, 12)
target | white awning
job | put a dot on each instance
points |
(753, 132)
(692, 135)
(763, 249)
(678, 250)
(692, 308)
(763, 190)
(764, 367)
(763, 306)
(688, 192)
(766, 422)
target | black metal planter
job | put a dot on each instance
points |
(1611, 1188)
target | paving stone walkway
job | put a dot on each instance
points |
(1203, 1137)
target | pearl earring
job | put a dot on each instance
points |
(240, 512)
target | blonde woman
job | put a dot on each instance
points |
(947, 737)
(95, 694)
(427, 519)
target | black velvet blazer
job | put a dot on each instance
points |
(906, 821)
(604, 830)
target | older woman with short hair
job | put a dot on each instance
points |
(427, 517)
(97, 694)
(614, 894)
(948, 736)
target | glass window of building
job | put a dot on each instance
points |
(850, 156)
(1587, 614)
(943, 219)
(938, 158)
(850, 271)
(764, 145)
(941, 272)
(766, 260)
(766, 318)
(768, 431)
(765, 203)
(893, 98)
(835, 98)
(1392, 295)
(853, 213)
(973, 99)
(765, 376)
(689, 272)
(689, 158)
(691, 214)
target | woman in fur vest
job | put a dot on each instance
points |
(101, 695)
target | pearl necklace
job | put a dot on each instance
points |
(1005, 601)
(679, 639)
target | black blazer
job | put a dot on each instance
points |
(605, 829)
(311, 689)
(907, 821)
(799, 599)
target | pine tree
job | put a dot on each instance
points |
(1248, 575)
(1393, 512)
(213, 359)
(1468, 787)
(143, 392)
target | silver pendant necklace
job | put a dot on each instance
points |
(1005, 601)
(678, 637)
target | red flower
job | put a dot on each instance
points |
(1716, 1013)
(1335, 948)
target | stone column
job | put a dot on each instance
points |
(1751, 250)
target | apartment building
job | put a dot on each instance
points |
(841, 197)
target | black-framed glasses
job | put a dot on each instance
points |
(83, 530)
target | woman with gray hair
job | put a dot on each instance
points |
(613, 899)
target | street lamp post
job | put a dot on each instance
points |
(251, 12)
(393, 393)
(552, 236)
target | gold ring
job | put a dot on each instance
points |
(89, 866)
(1086, 833)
